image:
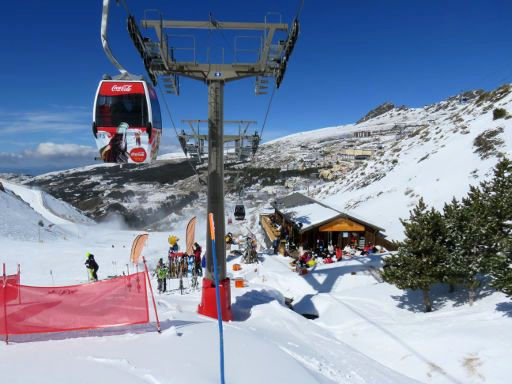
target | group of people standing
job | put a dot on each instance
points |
(248, 247)
(179, 264)
(330, 254)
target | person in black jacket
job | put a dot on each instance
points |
(92, 266)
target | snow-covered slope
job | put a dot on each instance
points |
(19, 221)
(266, 343)
(367, 332)
(454, 344)
(54, 210)
(435, 152)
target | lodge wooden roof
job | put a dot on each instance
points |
(323, 215)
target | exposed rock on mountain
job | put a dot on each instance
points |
(381, 109)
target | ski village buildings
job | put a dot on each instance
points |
(300, 220)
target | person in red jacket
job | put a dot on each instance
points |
(339, 254)
(197, 258)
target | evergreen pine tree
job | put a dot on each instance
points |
(498, 225)
(465, 258)
(418, 263)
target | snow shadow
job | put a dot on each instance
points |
(505, 307)
(413, 301)
(242, 307)
(323, 281)
(440, 295)
(114, 331)
(306, 307)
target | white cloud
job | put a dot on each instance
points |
(63, 120)
(47, 157)
(62, 150)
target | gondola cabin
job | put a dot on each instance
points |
(127, 124)
(239, 212)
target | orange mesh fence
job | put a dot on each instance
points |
(107, 303)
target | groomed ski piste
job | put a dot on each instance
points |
(366, 332)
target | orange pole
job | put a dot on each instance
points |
(152, 296)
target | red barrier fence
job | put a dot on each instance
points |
(107, 303)
(12, 294)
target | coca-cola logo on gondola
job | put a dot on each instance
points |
(122, 88)
(138, 155)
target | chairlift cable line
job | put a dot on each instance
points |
(175, 129)
(261, 136)
(266, 114)
(125, 6)
(218, 27)
(299, 9)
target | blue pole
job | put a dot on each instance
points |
(219, 312)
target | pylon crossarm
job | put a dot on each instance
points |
(216, 25)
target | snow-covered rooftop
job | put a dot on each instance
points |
(310, 215)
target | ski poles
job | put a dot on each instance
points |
(217, 296)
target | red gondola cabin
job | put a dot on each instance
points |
(127, 123)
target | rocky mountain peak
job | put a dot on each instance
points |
(380, 110)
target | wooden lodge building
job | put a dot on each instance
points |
(304, 220)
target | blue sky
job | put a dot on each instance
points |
(350, 57)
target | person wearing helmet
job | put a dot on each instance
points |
(173, 242)
(92, 267)
(161, 275)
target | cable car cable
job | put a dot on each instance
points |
(237, 179)
(176, 132)
(266, 116)
(299, 9)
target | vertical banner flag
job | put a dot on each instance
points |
(191, 235)
(137, 246)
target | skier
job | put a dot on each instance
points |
(229, 238)
(197, 256)
(92, 266)
(173, 242)
(173, 250)
(229, 241)
(161, 275)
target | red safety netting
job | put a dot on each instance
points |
(12, 294)
(114, 302)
